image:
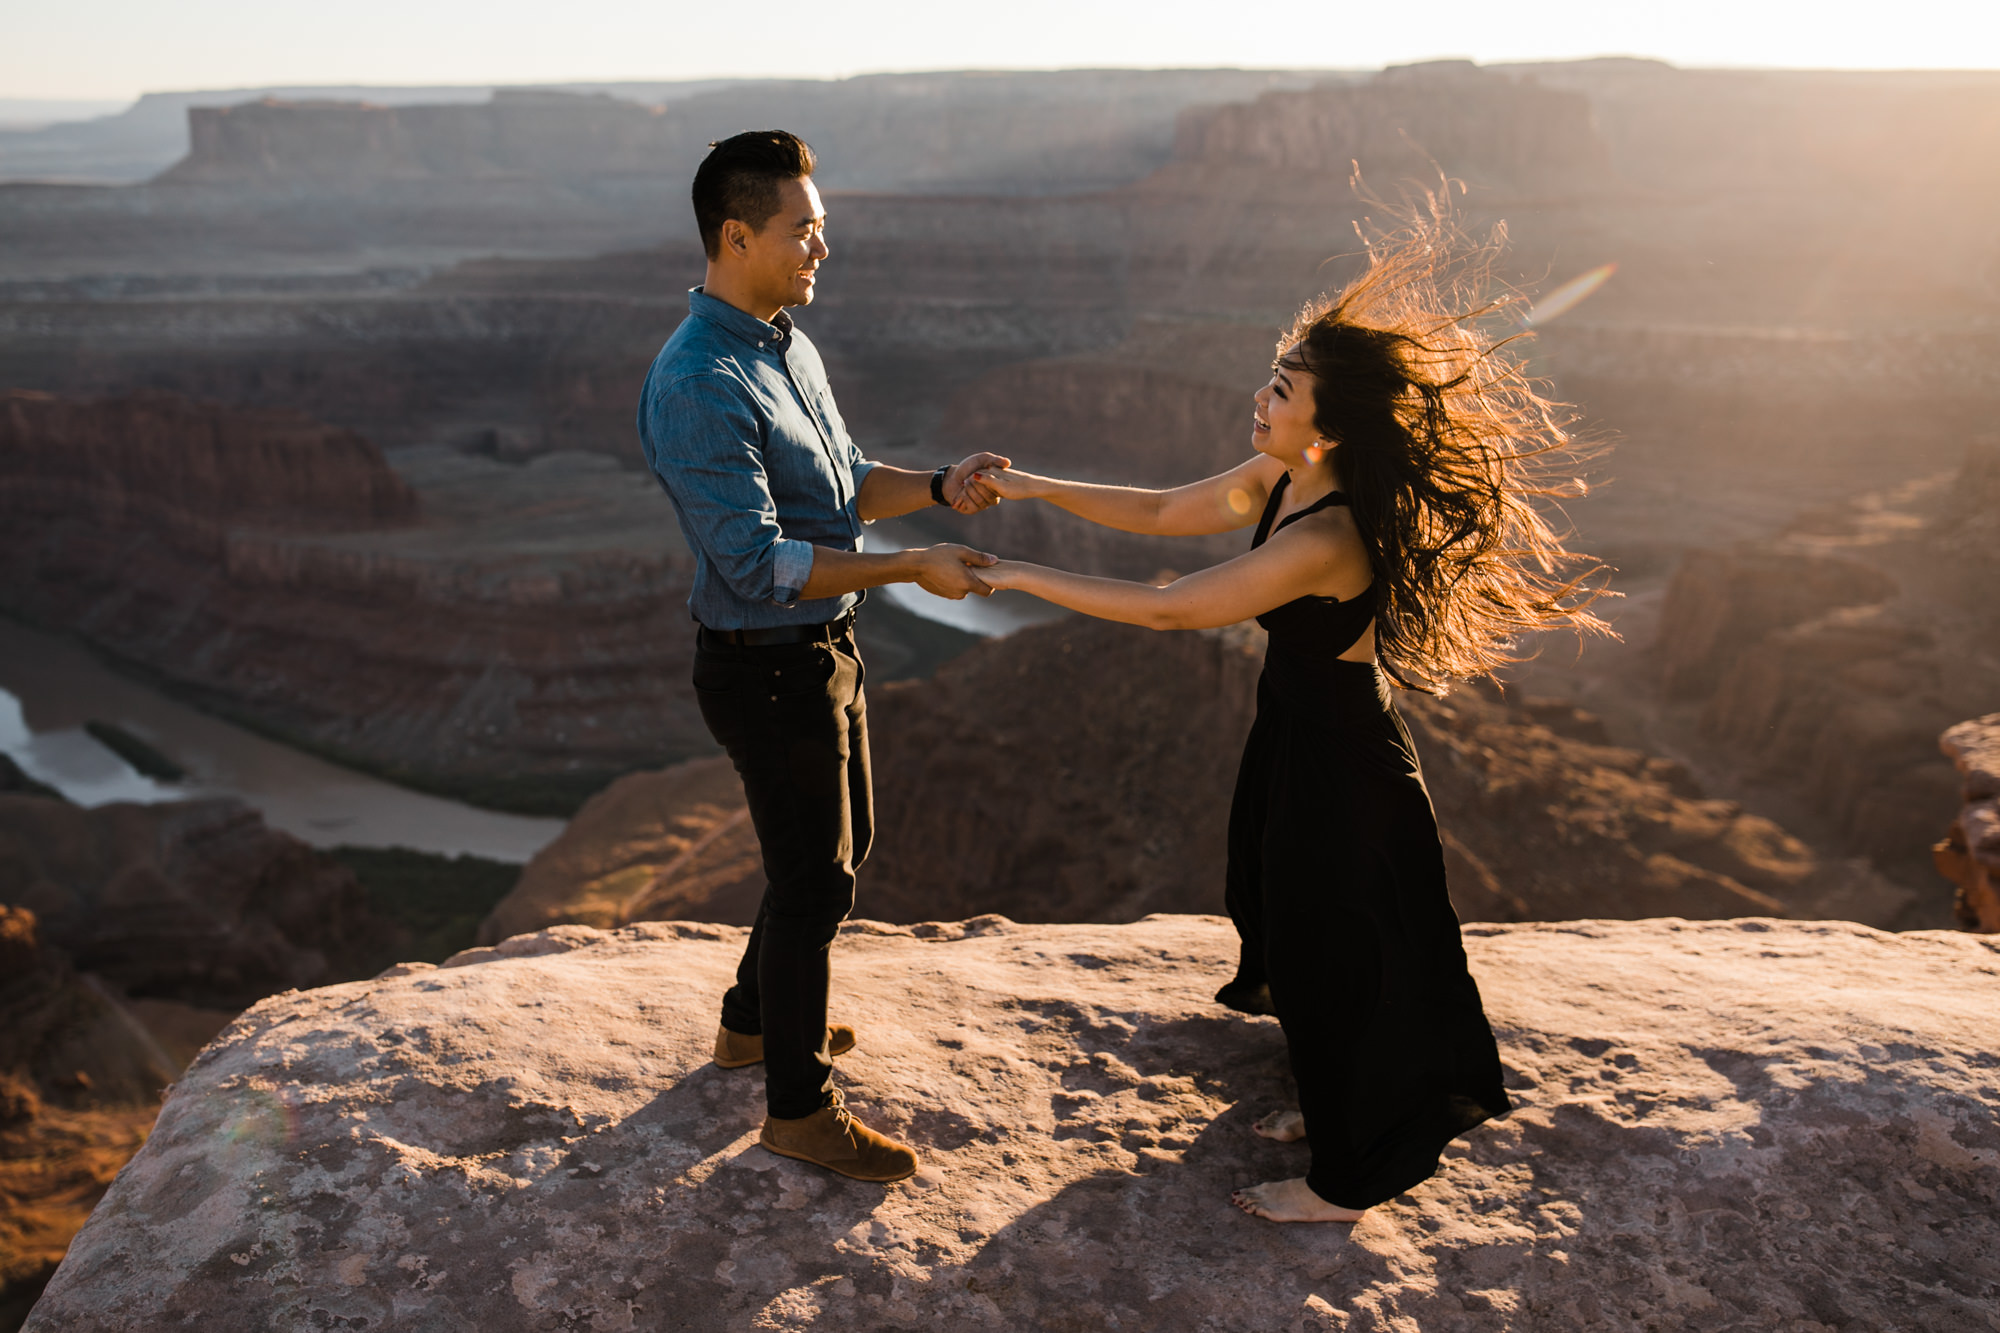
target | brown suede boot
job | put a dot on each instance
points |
(837, 1141)
(733, 1050)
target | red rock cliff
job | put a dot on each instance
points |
(189, 470)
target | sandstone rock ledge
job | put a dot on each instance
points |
(1722, 1125)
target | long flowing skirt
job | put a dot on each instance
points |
(1337, 887)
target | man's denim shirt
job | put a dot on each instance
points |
(740, 428)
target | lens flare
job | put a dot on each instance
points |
(1239, 501)
(1313, 454)
(1568, 296)
(257, 1124)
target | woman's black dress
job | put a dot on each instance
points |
(1336, 884)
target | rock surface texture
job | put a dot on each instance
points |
(1969, 856)
(1725, 1125)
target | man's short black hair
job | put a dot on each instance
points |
(740, 178)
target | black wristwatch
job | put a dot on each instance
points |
(937, 484)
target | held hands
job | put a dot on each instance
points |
(1003, 483)
(946, 570)
(1004, 574)
(964, 487)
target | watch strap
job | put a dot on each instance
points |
(937, 484)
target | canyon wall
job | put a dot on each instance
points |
(189, 471)
(1969, 854)
(972, 132)
(1420, 120)
(1082, 771)
(1827, 660)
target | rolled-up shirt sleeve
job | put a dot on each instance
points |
(705, 442)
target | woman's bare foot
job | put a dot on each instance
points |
(1281, 1126)
(1290, 1201)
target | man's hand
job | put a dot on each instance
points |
(946, 570)
(964, 491)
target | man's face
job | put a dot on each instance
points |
(782, 259)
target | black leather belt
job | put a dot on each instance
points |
(778, 634)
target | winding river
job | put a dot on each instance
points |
(51, 686)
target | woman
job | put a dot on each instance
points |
(1392, 489)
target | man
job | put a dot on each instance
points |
(740, 428)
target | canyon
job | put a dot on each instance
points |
(514, 634)
(1743, 369)
(328, 430)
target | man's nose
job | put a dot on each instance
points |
(818, 248)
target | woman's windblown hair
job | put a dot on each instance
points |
(1445, 445)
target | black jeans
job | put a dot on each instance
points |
(794, 722)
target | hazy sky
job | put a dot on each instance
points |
(118, 48)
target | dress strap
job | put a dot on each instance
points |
(1270, 509)
(1327, 501)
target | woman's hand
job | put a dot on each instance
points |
(1006, 483)
(1006, 574)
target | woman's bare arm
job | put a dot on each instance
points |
(1310, 558)
(1218, 504)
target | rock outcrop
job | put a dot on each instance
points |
(194, 901)
(1097, 762)
(1969, 855)
(1720, 1125)
(673, 845)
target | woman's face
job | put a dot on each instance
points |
(1283, 424)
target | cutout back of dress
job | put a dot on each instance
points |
(1319, 628)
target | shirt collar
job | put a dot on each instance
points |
(741, 323)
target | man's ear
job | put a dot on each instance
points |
(735, 237)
